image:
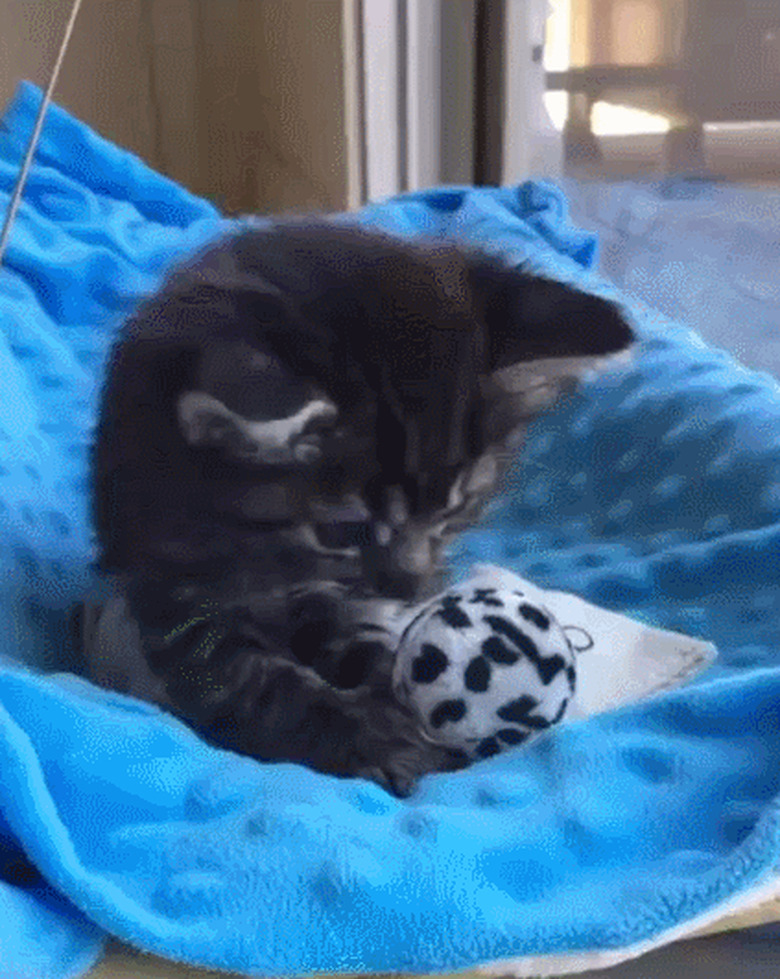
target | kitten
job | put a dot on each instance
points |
(291, 433)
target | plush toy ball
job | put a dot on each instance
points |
(484, 669)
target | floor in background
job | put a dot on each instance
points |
(750, 954)
(122, 963)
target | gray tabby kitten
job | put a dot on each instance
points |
(291, 433)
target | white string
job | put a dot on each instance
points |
(16, 197)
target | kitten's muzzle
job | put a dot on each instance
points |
(402, 586)
(404, 569)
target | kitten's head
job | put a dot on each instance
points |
(306, 370)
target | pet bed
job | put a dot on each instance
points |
(654, 492)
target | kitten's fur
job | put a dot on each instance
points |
(298, 423)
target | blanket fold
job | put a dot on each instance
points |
(652, 492)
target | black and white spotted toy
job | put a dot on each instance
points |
(484, 668)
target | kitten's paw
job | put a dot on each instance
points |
(405, 758)
(403, 771)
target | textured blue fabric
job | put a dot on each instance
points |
(656, 492)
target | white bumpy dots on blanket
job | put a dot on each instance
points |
(484, 667)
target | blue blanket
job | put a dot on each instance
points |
(655, 492)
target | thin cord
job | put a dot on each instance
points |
(16, 197)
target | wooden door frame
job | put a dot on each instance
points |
(410, 87)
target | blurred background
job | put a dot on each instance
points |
(667, 86)
(268, 105)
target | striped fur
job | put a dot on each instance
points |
(291, 433)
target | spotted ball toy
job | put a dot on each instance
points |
(484, 668)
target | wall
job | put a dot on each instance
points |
(240, 100)
(106, 76)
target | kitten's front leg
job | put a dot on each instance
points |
(241, 689)
(390, 744)
(350, 638)
(361, 733)
(276, 709)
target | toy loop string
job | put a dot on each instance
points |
(16, 196)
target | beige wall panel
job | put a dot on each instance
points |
(272, 116)
(105, 78)
(240, 100)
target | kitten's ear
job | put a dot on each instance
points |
(206, 422)
(531, 318)
(542, 336)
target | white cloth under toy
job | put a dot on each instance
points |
(494, 661)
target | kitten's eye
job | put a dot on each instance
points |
(217, 427)
(438, 492)
(343, 535)
(397, 507)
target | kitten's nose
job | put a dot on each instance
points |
(391, 576)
